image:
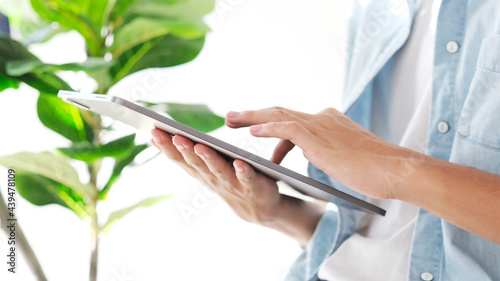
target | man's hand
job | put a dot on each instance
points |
(252, 196)
(332, 142)
(352, 155)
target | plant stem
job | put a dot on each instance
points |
(94, 224)
(95, 250)
(23, 243)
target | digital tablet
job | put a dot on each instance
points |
(145, 119)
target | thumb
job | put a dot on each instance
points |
(281, 150)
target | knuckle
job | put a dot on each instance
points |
(211, 183)
(271, 126)
(280, 114)
(276, 108)
(329, 110)
(246, 191)
(293, 127)
(323, 117)
(244, 179)
(193, 164)
(218, 173)
(228, 189)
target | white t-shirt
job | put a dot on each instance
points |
(380, 248)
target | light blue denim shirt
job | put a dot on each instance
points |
(464, 126)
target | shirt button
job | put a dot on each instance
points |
(426, 276)
(452, 47)
(443, 127)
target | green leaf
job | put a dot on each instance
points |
(118, 168)
(143, 29)
(160, 52)
(97, 10)
(41, 34)
(136, 32)
(189, 30)
(21, 67)
(63, 118)
(40, 191)
(53, 167)
(154, 33)
(119, 8)
(196, 116)
(116, 216)
(173, 9)
(126, 10)
(6, 83)
(73, 15)
(44, 81)
(87, 152)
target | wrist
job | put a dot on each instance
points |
(296, 218)
(402, 173)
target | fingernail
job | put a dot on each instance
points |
(239, 169)
(157, 138)
(256, 128)
(233, 114)
(180, 147)
(202, 155)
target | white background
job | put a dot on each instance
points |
(260, 53)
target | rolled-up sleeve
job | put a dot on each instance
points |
(307, 264)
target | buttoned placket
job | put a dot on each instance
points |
(427, 248)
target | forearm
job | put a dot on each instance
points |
(296, 218)
(464, 196)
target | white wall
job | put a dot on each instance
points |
(260, 53)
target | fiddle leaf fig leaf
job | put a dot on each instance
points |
(21, 67)
(172, 9)
(48, 165)
(44, 81)
(141, 30)
(196, 116)
(119, 9)
(6, 83)
(158, 52)
(97, 11)
(40, 191)
(87, 152)
(76, 16)
(63, 118)
(126, 10)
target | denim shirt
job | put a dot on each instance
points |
(464, 126)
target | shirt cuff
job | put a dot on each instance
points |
(307, 264)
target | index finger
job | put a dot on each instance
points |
(274, 114)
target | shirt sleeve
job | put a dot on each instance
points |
(307, 264)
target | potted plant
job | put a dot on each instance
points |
(121, 37)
